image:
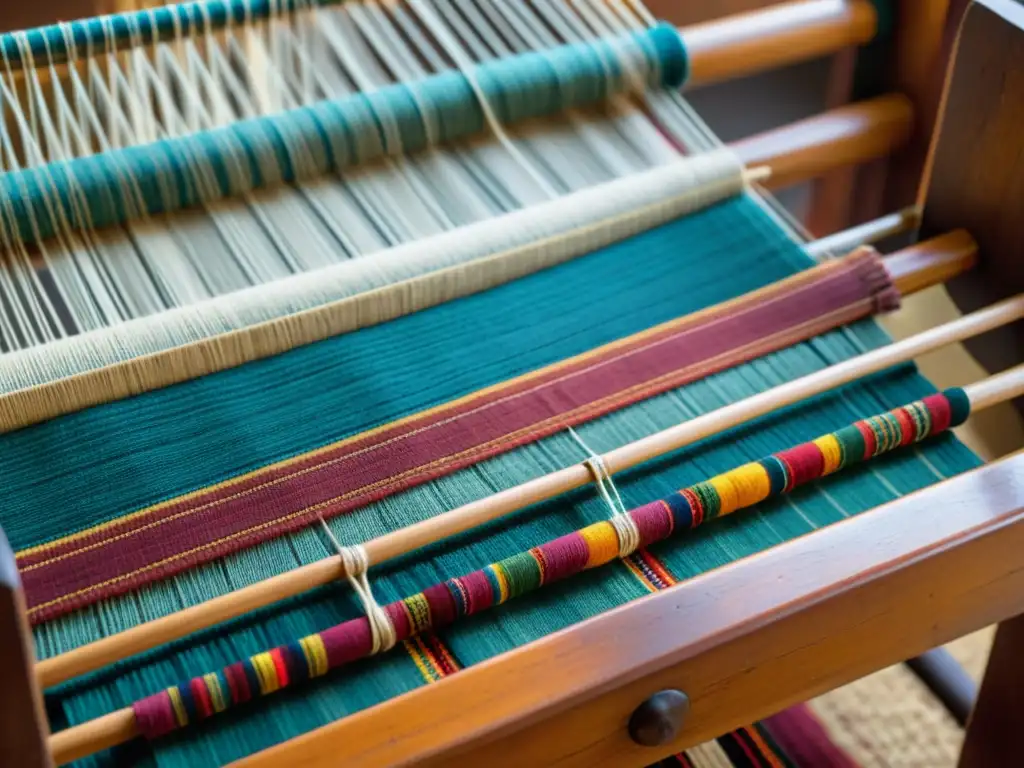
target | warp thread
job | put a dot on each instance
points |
(590, 547)
(337, 134)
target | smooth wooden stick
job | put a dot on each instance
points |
(736, 45)
(100, 653)
(118, 727)
(868, 233)
(932, 262)
(748, 43)
(839, 138)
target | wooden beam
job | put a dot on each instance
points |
(840, 138)
(977, 177)
(993, 731)
(742, 641)
(769, 38)
(23, 726)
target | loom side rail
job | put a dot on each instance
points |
(741, 642)
(976, 179)
(23, 726)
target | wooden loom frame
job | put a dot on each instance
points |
(804, 617)
(740, 663)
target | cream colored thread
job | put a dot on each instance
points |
(437, 27)
(625, 527)
(382, 631)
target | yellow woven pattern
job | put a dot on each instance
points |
(831, 451)
(216, 693)
(266, 671)
(316, 655)
(602, 543)
(742, 487)
(179, 707)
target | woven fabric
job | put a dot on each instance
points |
(194, 435)
(175, 535)
(224, 424)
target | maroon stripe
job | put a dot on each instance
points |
(192, 531)
(805, 741)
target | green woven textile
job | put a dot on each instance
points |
(692, 263)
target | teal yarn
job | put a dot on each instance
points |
(113, 187)
(57, 42)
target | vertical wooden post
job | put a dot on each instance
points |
(993, 731)
(925, 33)
(23, 726)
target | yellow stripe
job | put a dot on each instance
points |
(216, 694)
(832, 451)
(502, 580)
(414, 648)
(316, 655)
(675, 324)
(419, 612)
(741, 488)
(180, 713)
(602, 543)
(266, 671)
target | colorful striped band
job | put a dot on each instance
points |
(595, 545)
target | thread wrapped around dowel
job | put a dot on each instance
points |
(171, 174)
(590, 547)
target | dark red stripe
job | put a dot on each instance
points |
(280, 667)
(805, 463)
(204, 706)
(908, 429)
(804, 739)
(870, 442)
(399, 458)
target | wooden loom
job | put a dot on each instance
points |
(867, 592)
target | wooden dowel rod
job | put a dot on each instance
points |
(868, 233)
(153, 633)
(842, 137)
(94, 736)
(733, 46)
(932, 262)
(104, 732)
(773, 37)
(997, 389)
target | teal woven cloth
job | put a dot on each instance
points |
(167, 442)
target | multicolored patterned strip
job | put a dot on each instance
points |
(593, 546)
(187, 531)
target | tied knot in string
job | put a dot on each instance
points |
(626, 529)
(356, 563)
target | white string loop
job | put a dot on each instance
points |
(626, 529)
(356, 563)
